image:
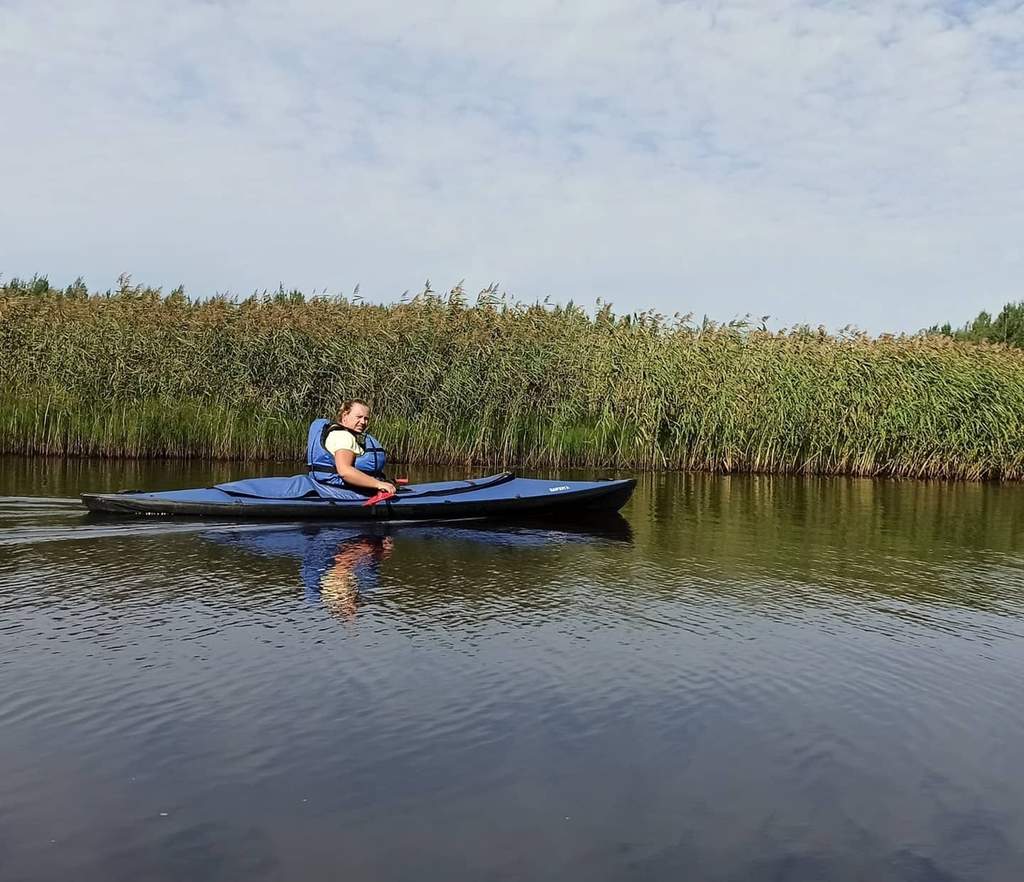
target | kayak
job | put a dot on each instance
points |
(496, 496)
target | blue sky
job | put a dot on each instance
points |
(823, 162)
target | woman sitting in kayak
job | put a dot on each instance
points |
(345, 441)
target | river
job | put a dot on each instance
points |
(743, 678)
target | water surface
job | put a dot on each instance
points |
(745, 678)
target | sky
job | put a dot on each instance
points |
(818, 162)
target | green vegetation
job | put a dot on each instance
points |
(135, 372)
(1007, 327)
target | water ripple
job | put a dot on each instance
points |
(759, 680)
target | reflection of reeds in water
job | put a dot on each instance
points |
(495, 383)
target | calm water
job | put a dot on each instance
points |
(744, 679)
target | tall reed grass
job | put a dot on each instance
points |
(140, 373)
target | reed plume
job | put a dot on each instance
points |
(136, 372)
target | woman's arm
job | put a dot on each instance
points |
(344, 462)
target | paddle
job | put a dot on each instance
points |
(380, 497)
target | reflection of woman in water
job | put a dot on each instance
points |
(339, 563)
(337, 578)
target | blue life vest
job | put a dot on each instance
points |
(321, 463)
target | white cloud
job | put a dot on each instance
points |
(822, 162)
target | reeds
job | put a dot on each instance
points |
(135, 372)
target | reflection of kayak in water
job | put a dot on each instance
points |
(339, 563)
(496, 496)
(299, 541)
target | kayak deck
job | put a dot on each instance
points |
(503, 495)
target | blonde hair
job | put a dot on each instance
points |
(348, 404)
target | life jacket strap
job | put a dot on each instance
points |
(330, 470)
(337, 427)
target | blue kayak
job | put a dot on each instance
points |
(496, 496)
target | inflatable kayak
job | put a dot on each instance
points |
(496, 496)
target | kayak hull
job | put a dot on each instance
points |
(499, 496)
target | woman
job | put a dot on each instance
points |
(354, 458)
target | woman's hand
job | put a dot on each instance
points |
(385, 487)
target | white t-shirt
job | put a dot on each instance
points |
(342, 439)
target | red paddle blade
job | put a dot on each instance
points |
(379, 497)
(401, 481)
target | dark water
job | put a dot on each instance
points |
(747, 679)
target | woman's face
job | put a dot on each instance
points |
(357, 419)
